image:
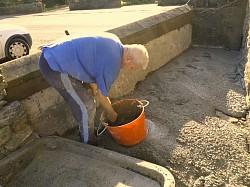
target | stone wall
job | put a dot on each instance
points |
(93, 4)
(218, 23)
(210, 3)
(22, 9)
(171, 2)
(15, 130)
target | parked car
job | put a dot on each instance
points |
(15, 41)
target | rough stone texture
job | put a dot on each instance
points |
(22, 9)
(3, 86)
(93, 4)
(5, 135)
(18, 138)
(48, 113)
(3, 94)
(209, 3)
(2, 103)
(14, 128)
(218, 26)
(10, 113)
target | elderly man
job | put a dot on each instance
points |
(74, 64)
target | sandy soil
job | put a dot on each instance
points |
(196, 118)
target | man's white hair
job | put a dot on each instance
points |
(139, 54)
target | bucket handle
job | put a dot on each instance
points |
(98, 129)
(146, 103)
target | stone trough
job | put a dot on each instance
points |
(56, 161)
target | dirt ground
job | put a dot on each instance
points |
(196, 119)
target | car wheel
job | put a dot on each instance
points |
(17, 48)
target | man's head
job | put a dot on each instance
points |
(135, 56)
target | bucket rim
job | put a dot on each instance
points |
(142, 112)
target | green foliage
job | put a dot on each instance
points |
(136, 2)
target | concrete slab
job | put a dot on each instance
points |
(56, 161)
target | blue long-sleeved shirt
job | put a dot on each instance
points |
(91, 59)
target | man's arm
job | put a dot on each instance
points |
(105, 102)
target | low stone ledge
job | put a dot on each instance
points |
(27, 78)
(93, 4)
(147, 29)
(22, 9)
(172, 2)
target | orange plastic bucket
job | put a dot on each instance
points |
(132, 132)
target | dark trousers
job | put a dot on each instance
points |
(77, 96)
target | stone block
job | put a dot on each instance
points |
(18, 138)
(22, 9)
(12, 114)
(93, 4)
(2, 103)
(172, 2)
(5, 135)
(2, 153)
(20, 122)
(2, 94)
(3, 85)
(1, 78)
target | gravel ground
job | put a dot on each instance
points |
(197, 120)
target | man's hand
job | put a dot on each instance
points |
(94, 88)
(105, 102)
(112, 117)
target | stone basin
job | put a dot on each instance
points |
(56, 161)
